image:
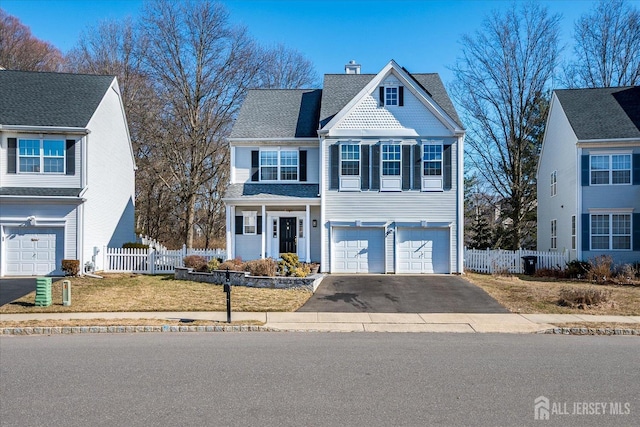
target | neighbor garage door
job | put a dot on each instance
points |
(33, 251)
(358, 250)
(423, 250)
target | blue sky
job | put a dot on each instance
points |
(421, 35)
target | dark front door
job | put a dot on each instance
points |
(288, 235)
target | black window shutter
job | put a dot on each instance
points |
(636, 169)
(586, 233)
(406, 167)
(259, 225)
(585, 171)
(375, 167)
(417, 167)
(239, 224)
(446, 167)
(381, 90)
(303, 165)
(12, 145)
(364, 167)
(636, 231)
(401, 96)
(255, 165)
(334, 162)
(71, 157)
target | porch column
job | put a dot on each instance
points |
(263, 238)
(231, 211)
(307, 233)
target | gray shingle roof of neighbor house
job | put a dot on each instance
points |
(40, 191)
(262, 191)
(602, 113)
(278, 113)
(50, 99)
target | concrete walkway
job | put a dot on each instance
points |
(360, 322)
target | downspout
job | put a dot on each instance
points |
(460, 210)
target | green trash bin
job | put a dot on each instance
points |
(43, 291)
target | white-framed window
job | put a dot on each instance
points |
(432, 159)
(280, 165)
(554, 234)
(554, 183)
(391, 95)
(608, 169)
(391, 159)
(611, 231)
(349, 159)
(301, 228)
(249, 222)
(573, 232)
(41, 156)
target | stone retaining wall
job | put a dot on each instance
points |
(242, 278)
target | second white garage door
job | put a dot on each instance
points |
(358, 250)
(423, 250)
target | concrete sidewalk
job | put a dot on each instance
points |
(360, 322)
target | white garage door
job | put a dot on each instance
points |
(423, 250)
(34, 251)
(358, 250)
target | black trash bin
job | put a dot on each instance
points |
(530, 262)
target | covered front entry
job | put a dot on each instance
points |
(423, 250)
(32, 251)
(358, 250)
(287, 233)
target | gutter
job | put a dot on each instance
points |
(46, 129)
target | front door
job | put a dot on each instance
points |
(288, 235)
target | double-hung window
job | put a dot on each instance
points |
(391, 159)
(280, 165)
(349, 159)
(610, 169)
(391, 95)
(432, 160)
(554, 183)
(41, 156)
(249, 222)
(554, 234)
(611, 232)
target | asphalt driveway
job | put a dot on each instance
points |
(379, 293)
(13, 288)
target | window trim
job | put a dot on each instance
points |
(431, 182)
(554, 234)
(610, 169)
(359, 160)
(554, 183)
(610, 232)
(384, 144)
(387, 96)
(251, 216)
(41, 156)
(278, 166)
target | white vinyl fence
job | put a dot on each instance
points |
(498, 260)
(151, 261)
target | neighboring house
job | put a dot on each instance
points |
(66, 171)
(362, 176)
(589, 174)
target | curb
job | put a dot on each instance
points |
(66, 330)
(591, 331)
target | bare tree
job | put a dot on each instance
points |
(285, 68)
(20, 50)
(201, 67)
(501, 85)
(607, 47)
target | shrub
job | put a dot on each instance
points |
(196, 262)
(577, 269)
(555, 273)
(71, 267)
(135, 245)
(288, 264)
(235, 264)
(581, 297)
(627, 273)
(213, 264)
(302, 271)
(261, 267)
(600, 269)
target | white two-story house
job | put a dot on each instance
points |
(589, 174)
(363, 176)
(66, 171)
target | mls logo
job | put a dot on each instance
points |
(541, 408)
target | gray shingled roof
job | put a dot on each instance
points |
(40, 191)
(603, 113)
(278, 113)
(272, 191)
(50, 99)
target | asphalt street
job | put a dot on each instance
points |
(307, 379)
(384, 293)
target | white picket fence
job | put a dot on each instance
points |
(498, 260)
(151, 261)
